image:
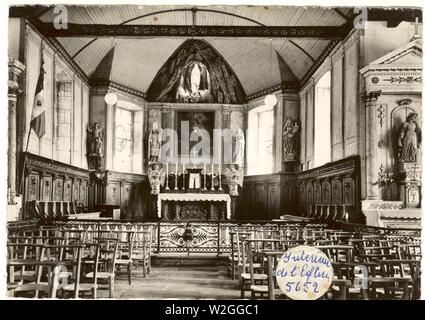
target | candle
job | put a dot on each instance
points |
(176, 174)
(212, 168)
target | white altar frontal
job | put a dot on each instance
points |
(195, 197)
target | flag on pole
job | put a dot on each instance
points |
(38, 121)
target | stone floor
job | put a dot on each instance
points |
(179, 277)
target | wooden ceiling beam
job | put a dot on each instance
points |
(140, 31)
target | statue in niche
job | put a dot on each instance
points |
(409, 139)
(154, 143)
(194, 85)
(238, 147)
(290, 135)
(95, 146)
(156, 177)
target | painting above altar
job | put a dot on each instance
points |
(196, 73)
(195, 128)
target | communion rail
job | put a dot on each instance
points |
(211, 237)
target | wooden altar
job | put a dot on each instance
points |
(194, 206)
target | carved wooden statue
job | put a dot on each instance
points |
(290, 136)
(95, 151)
(409, 139)
(156, 177)
(154, 144)
(232, 176)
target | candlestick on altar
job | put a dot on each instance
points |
(177, 176)
(212, 177)
(166, 175)
(205, 177)
(219, 178)
(183, 188)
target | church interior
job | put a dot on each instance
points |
(178, 151)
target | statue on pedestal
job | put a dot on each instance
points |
(154, 144)
(156, 177)
(95, 151)
(239, 147)
(232, 176)
(290, 135)
(409, 139)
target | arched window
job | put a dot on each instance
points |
(322, 121)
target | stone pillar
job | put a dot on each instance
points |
(372, 167)
(15, 69)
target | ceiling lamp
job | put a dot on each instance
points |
(111, 98)
(270, 100)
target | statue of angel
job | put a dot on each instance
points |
(156, 177)
(232, 176)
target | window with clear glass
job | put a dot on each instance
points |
(322, 121)
(261, 140)
(123, 140)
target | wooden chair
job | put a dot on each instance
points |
(255, 251)
(125, 251)
(107, 263)
(85, 275)
(142, 250)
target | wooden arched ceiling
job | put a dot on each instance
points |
(137, 60)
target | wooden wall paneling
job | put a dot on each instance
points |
(339, 183)
(58, 188)
(46, 188)
(33, 187)
(49, 180)
(317, 192)
(288, 194)
(273, 200)
(126, 190)
(310, 194)
(83, 194)
(326, 195)
(348, 190)
(113, 193)
(336, 191)
(76, 190)
(67, 189)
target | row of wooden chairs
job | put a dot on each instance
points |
(37, 258)
(366, 265)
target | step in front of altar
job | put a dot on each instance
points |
(177, 259)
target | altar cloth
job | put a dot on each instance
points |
(194, 197)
